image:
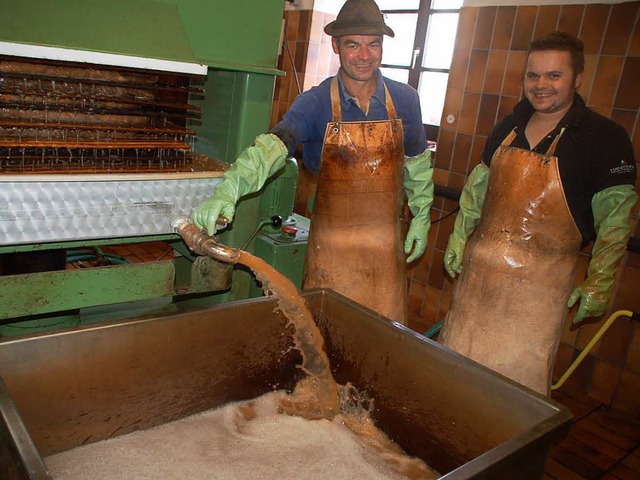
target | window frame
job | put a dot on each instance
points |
(415, 68)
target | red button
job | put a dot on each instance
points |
(289, 230)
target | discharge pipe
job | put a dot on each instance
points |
(203, 244)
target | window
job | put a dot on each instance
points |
(420, 53)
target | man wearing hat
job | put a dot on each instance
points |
(363, 134)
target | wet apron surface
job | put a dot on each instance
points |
(509, 304)
(355, 242)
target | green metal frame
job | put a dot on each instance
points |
(239, 42)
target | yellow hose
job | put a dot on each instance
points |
(590, 345)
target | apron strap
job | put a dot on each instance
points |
(391, 108)
(509, 138)
(552, 147)
(336, 111)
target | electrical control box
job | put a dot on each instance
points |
(284, 248)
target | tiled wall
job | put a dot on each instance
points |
(312, 55)
(485, 83)
(314, 61)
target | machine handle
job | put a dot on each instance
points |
(275, 222)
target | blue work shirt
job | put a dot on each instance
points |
(306, 121)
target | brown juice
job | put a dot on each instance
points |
(320, 430)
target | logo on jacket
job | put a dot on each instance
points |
(624, 167)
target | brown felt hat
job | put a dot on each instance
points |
(358, 17)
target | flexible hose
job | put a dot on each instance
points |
(592, 343)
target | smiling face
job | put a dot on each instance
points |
(550, 83)
(360, 55)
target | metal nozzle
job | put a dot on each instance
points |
(203, 244)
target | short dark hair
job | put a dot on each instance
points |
(564, 42)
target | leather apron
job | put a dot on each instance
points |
(355, 240)
(509, 304)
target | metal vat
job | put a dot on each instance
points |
(89, 383)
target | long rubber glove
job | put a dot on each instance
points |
(246, 175)
(471, 201)
(418, 186)
(611, 213)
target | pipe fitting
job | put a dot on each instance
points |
(203, 244)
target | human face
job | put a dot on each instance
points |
(360, 55)
(550, 83)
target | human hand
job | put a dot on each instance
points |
(593, 301)
(207, 213)
(453, 255)
(416, 241)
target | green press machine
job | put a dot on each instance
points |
(229, 51)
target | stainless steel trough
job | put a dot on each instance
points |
(71, 387)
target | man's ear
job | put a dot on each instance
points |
(335, 43)
(577, 82)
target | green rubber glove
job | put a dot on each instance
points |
(471, 201)
(418, 186)
(611, 213)
(246, 175)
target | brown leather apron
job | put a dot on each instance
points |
(509, 304)
(355, 241)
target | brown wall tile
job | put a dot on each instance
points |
(627, 297)
(292, 20)
(570, 18)
(440, 176)
(604, 381)
(523, 28)
(505, 19)
(496, 66)
(436, 275)
(615, 342)
(633, 358)
(300, 56)
(547, 21)
(606, 81)
(458, 70)
(484, 27)
(593, 27)
(590, 66)
(445, 149)
(506, 106)
(636, 144)
(626, 118)
(446, 227)
(469, 112)
(461, 152)
(476, 152)
(452, 105)
(628, 90)
(487, 113)
(564, 358)
(634, 46)
(514, 74)
(416, 294)
(477, 69)
(456, 181)
(466, 27)
(627, 398)
(604, 111)
(616, 39)
(304, 25)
